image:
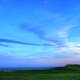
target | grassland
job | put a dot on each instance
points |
(60, 73)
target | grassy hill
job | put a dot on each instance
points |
(68, 72)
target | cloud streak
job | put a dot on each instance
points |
(41, 34)
(20, 42)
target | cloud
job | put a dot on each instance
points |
(61, 39)
(65, 48)
(42, 34)
(22, 43)
(71, 48)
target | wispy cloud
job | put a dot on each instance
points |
(20, 42)
(65, 46)
(71, 49)
(41, 34)
(62, 41)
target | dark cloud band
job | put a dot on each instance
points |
(19, 42)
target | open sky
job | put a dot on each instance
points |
(39, 33)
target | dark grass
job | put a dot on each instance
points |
(69, 72)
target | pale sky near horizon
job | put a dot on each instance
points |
(39, 33)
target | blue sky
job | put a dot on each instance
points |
(39, 33)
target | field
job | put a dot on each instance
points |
(59, 76)
(68, 73)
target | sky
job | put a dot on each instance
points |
(39, 33)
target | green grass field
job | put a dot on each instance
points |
(67, 73)
(58, 76)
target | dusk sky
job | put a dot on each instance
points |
(39, 33)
